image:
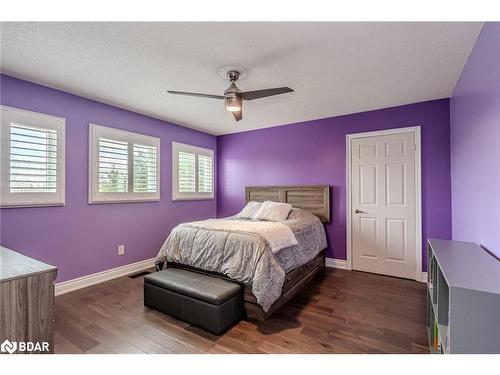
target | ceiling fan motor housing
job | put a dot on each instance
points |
(232, 90)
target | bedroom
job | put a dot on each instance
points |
(326, 194)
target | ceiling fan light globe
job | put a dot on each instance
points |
(233, 108)
(233, 104)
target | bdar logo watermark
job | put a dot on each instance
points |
(11, 346)
(8, 347)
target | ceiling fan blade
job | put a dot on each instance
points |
(196, 94)
(238, 115)
(257, 94)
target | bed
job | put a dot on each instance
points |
(271, 277)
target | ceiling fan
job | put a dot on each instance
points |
(233, 97)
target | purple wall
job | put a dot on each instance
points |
(80, 238)
(314, 152)
(475, 144)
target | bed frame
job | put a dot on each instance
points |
(315, 199)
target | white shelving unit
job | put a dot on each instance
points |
(463, 299)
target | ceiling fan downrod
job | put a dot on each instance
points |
(233, 75)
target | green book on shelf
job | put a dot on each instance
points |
(436, 335)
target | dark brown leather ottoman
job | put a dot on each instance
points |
(208, 302)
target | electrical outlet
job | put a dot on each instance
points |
(121, 249)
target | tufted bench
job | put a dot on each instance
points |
(209, 302)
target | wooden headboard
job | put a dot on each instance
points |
(315, 199)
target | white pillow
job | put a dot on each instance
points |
(249, 211)
(273, 211)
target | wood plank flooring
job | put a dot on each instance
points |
(338, 312)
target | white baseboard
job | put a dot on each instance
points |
(336, 263)
(342, 264)
(100, 277)
(424, 277)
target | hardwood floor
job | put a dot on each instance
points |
(338, 312)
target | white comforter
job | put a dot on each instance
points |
(277, 235)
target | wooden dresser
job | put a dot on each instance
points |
(26, 303)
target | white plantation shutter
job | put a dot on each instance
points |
(33, 159)
(187, 172)
(145, 179)
(192, 172)
(113, 166)
(33, 151)
(124, 166)
(205, 174)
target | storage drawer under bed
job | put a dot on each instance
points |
(292, 277)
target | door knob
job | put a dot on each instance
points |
(358, 211)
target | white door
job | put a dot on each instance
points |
(383, 197)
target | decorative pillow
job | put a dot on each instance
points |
(273, 211)
(249, 211)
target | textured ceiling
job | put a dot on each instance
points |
(335, 68)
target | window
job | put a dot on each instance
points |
(32, 153)
(124, 166)
(193, 172)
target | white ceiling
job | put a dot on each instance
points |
(335, 68)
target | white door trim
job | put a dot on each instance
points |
(418, 190)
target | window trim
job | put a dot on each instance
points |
(38, 120)
(96, 197)
(197, 150)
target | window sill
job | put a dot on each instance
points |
(193, 199)
(32, 205)
(114, 201)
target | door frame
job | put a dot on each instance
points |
(418, 190)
